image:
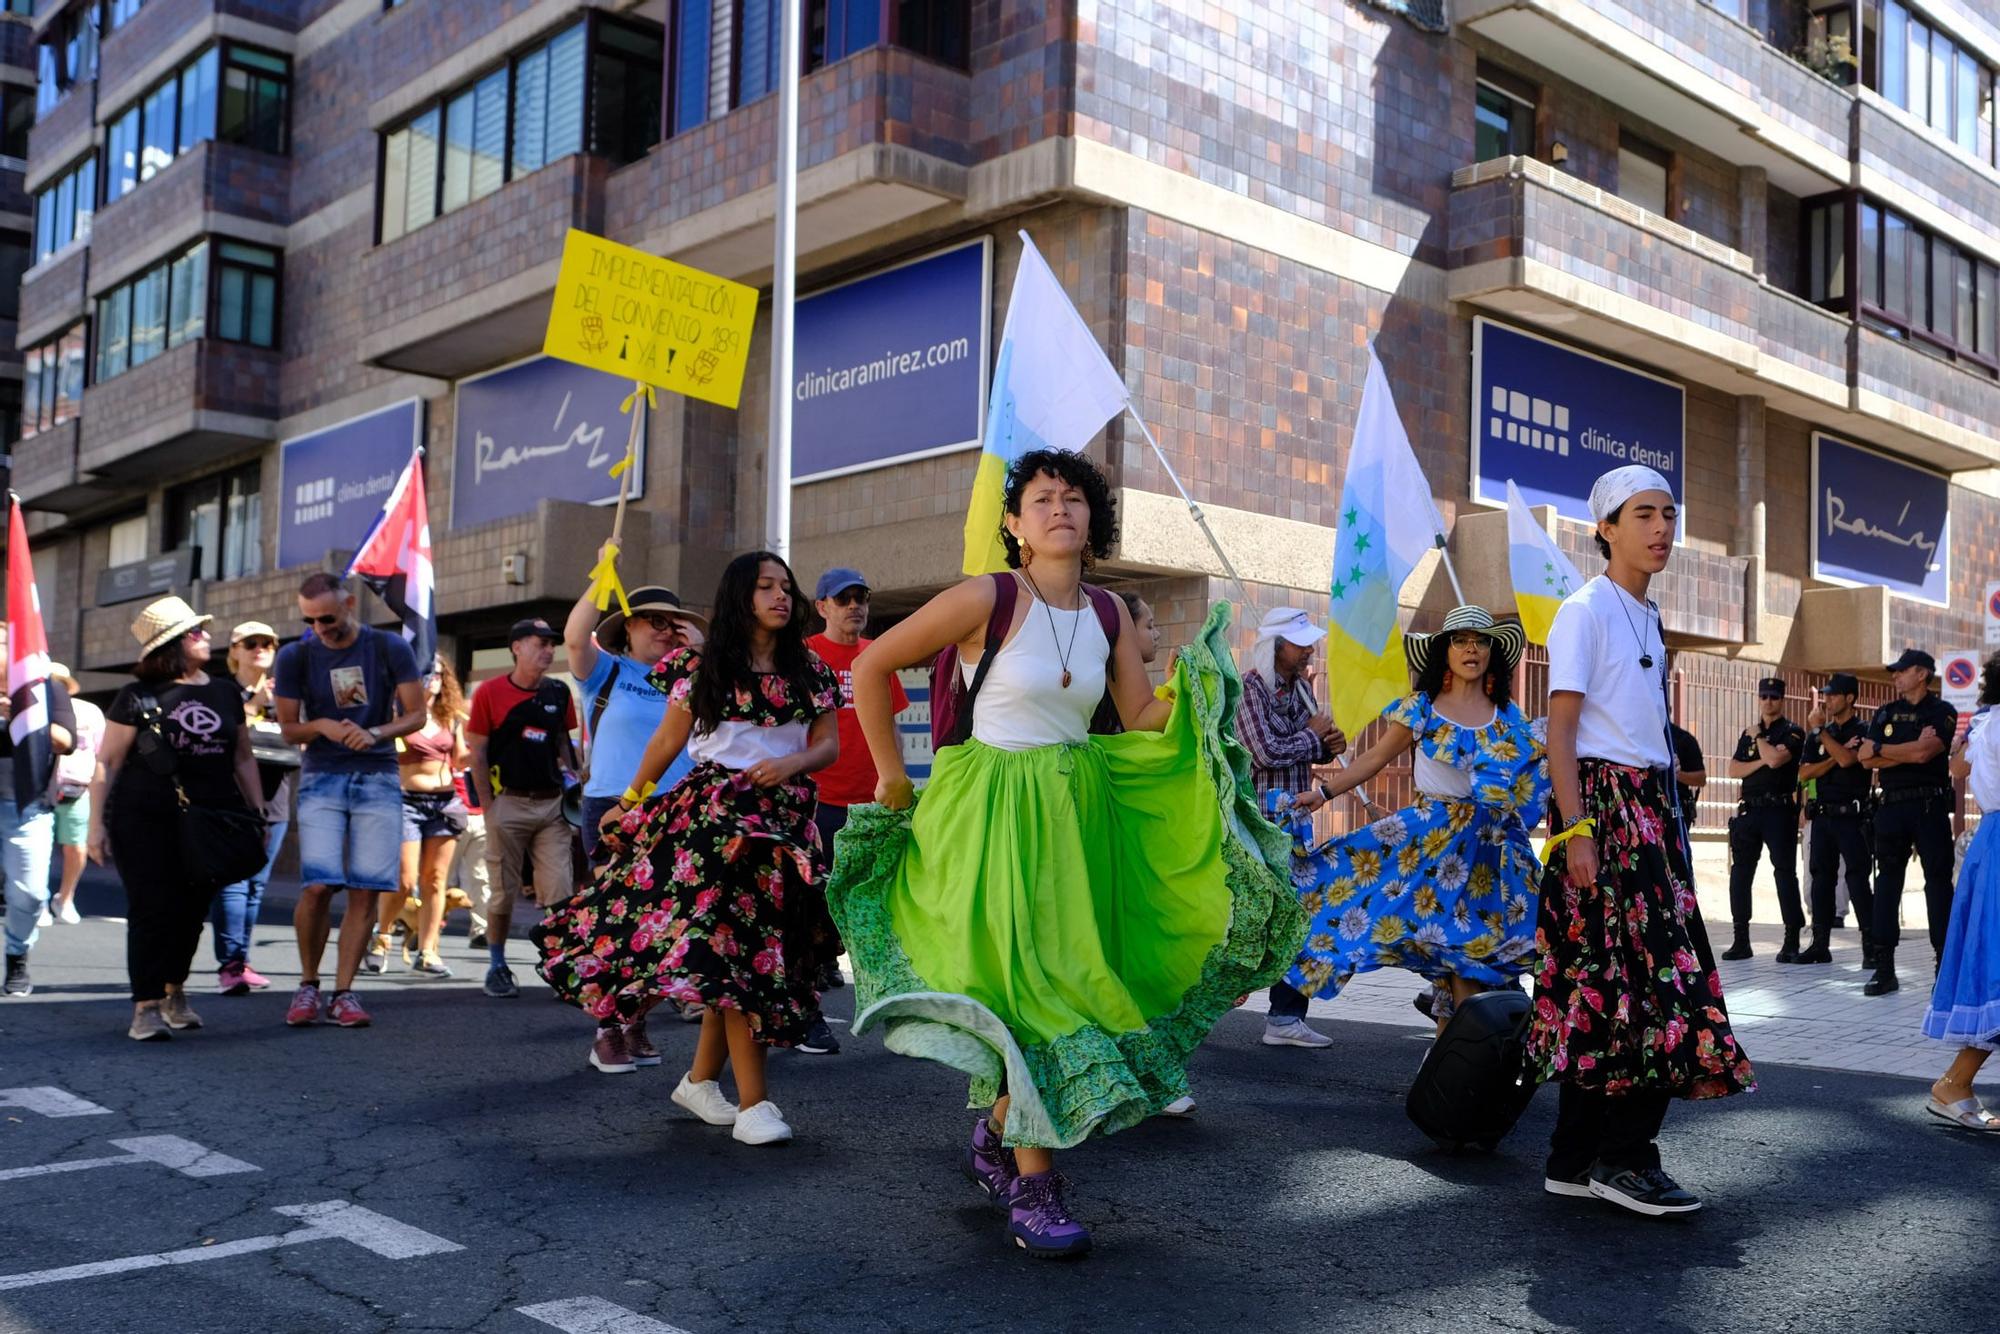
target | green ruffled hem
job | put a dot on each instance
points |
(1088, 1081)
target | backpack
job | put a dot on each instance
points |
(952, 698)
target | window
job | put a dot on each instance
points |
(52, 381)
(937, 29)
(1642, 173)
(17, 117)
(836, 29)
(118, 13)
(25, 8)
(1733, 8)
(15, 250)
(1909, 283)
(67, 55)
(693, 22)
(63, 208)
(1503, 124)
(222, 518)
(127, 541)
(594, 86)
(233, 93)
(1921, 69)
(246, 294)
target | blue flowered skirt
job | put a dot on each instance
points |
(1965, 1001)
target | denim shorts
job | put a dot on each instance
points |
(350, 830)
(432, 815)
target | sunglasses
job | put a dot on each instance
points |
(851, 597)
(334, 619)
(254, 644)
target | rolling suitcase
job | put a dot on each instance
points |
(1473, 1086)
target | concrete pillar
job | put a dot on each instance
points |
(1753, 216)
(1750, 477)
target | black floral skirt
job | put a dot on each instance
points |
(710, 903)
(1626, 991)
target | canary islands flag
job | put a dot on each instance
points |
(1543, 576)
(1387, 521)
(1053, 388)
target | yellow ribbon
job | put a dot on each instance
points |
(605, 584)
(1585, 826)
(618, 468)
(639, 390)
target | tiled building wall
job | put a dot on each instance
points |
(1024, 55)
(66, 124)
(124, 53)
(1921, 162)
(1893, 368)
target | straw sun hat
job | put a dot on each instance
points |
(163, 622)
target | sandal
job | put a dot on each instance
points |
(1966, 1112)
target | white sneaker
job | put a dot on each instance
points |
(1293, 1033)
(1179, 1107)
(706, 1101)
(68, 915)
(44, 919)
(762, 1124)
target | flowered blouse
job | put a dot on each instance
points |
(1507, 758)
(773, 702)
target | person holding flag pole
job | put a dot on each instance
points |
(1064, 915)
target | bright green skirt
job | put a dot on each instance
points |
(1066, 924)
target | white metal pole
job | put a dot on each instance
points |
(778, 463)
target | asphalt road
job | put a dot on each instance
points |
(1298, 1198)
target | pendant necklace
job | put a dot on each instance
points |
(1645, 656)
(1062, 654)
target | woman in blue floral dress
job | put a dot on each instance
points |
(706, 897)
(1444, 887)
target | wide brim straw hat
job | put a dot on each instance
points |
(164, 621)
(1508, 639)
(652, 597)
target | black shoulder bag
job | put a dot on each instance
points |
(218, 845)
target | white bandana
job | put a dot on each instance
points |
(1620, 485)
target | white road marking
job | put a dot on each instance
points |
(182, 1155)
(594, 1315)
(335, 1220)
(47, 1100)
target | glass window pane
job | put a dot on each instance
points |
(86, 196)
(757, 69)
(69, 374)
(1895, 53)
(423, 170)
(1940, 115)
(229, 302)
(122, 154)
(263, 310)
(187, 311)
(260, 61)
(1965, 114)
(20, 119)
(65, 210)
(566, 93)
(31, 391)
(198, 101)
(531, 110)
(457, 152)
(489, 134)
(157, 130)
(395, 183)
(1836, 245)
(254, 255)
(1895, 266)
(149, 316)
(1918, 99)
(691, 65)
(1989, 311)
(862, 27)
(1871, 254)
(113, 323)
(1962, 310)
(1943, 266)
(45, 224)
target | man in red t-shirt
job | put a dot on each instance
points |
(842, 600)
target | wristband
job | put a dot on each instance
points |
(1576, 827)
(631, 797)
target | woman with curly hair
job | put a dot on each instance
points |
(1446, 886)
(706, 898)
(1965, 1000)
(434, 819)
(1064, 915)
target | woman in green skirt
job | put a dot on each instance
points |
(1064, 916)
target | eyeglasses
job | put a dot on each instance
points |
(851, 597)
(334, 619)
(1470, 640)
(659, 620)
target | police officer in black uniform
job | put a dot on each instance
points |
(1766, 760)
(1908, 747)
(1839, 785)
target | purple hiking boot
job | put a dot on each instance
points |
(1039, 1223)
(989, 1164)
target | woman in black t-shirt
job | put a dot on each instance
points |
(201, 719)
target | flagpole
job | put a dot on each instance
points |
(778, 497)
(1200, 519)
(1456, 591)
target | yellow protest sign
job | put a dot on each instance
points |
(643, 318)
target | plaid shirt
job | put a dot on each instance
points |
(1283, 750)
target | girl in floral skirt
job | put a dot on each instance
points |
(1065, 914)
(704, 899)
(1445, 887)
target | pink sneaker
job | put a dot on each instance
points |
(347, 1012)
(256, 979)
(230, 980)
(305, 1006)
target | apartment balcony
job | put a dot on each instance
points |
(165, 32)
(884, 136)
(52, 295)
(1691, 69)
(182, 203)
(1918, 172)
(47, 477)
(1933, 410)
(17, 42)
(190, 404)
(472, 288)
(61, 136)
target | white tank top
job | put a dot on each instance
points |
(1022, 703)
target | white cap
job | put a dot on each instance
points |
(1291, 625)
(1620, 485)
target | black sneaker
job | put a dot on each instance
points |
(819, 1040)
(1576, 1187)
(476, 941)
(500, 983)
(1643, 1190)
(18, 982)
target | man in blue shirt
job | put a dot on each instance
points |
(622, 708)
(345, 692)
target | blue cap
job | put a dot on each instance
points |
(837, 581)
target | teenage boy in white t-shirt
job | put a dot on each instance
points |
(1628, 1004)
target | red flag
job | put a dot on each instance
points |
(395, 561)
(27, 669)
